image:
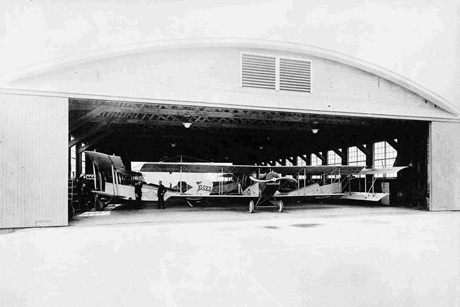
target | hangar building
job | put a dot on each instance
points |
(125, 78)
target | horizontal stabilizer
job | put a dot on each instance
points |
(364, 196)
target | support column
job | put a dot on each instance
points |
(345, 157)
(306, 158)
(324, 157)
(78, 161)
(369, 163)
(69, 159)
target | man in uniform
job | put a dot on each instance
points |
(161, 193)
(138, 192)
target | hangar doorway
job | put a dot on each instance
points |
(139, 131)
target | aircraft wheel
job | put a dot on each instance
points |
(251, 206)
(281, 206)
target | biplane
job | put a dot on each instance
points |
(259, 186)
(113, 182)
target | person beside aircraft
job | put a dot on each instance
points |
(81, 197)
(138, 193)
(161, 195)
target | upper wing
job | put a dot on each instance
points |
(185, 167)
(248, 169)
(316, 170)
(381, 171)
(105, 162)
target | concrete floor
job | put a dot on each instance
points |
(314, 255)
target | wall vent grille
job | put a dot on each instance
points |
(258, 71)
(275, 73)
(295, 75)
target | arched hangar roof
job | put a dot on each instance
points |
(95, 55)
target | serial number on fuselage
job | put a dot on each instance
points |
(205, 188)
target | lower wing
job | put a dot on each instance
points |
(211, 197)
(107, 195)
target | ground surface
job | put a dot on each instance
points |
(313, 255)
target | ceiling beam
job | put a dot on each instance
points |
(364, 149)
(200, 124)
(94, 141)
(320, 156)
(88, 133)
(147, 110)
(76, 123)
(339, 152)
(394, 144)
(293, 160)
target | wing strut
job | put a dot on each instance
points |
(94, 172)
(114, 180)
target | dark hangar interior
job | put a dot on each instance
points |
(156, 132)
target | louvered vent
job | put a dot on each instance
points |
(295, 75)
(258, 71)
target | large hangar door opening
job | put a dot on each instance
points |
(139, 131)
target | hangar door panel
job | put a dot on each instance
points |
(33, 161)
(445, 166)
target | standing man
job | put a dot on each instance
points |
(161, 196)
(81, 197)
(138, 192)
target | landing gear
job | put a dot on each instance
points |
(251, 206)
(274, 203)
(280, 206)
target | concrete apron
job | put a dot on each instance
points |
(302, 257)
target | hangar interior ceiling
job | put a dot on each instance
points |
(155, 132)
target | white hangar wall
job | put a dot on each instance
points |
(445, 166)
(212, 76)
(33, 161)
